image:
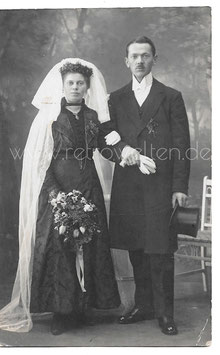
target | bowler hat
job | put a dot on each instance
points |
(185, 220)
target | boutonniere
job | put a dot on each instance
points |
(91, 127)
(152, 127)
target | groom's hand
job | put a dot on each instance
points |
(179, 197)
(130, 156)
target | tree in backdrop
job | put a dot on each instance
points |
(32, 41)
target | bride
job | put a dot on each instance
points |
(58, 157)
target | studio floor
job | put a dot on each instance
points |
(192, 315)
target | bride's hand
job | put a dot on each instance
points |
(112, 138)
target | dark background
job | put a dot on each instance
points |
(32, 41)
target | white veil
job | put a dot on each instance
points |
(37, 157)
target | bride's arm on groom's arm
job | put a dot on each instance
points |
(112, 146)
(110, 152)
(107, 148)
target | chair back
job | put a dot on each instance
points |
(206, 212)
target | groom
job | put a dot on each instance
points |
(152, 121)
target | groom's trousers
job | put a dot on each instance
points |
(154, 282)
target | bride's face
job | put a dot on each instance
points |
(75, 87)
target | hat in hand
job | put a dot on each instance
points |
(185, 220)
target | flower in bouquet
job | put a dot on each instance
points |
(88, 207)
(82, 229)
(75, 218)
(62, 229)
(76, 233)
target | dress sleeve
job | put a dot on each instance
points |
(50, 182)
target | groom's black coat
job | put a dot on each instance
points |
(141, 204)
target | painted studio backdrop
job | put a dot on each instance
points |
(32, 41)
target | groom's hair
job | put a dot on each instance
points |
(142, 39)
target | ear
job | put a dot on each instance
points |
(127, 62)
(155, 59)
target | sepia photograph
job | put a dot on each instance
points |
(106, 177)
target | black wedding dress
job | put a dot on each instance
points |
(55, 286)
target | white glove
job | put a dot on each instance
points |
(130, 156)
(112, 138)
(147, 165)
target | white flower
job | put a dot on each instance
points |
(53, 202)
(87, 208)
(83, 200)
(76, 233)
(82, 229)
(62, 229)
(61, 196)
(64, 214)
(56, 218)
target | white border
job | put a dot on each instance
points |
(13, 4)
(22, 4)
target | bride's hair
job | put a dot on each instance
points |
(76, 68)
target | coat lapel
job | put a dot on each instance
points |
(65, 128)
(130, 105)
(148, 108)
(151, 104)
(91, 127)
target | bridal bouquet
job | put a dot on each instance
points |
(75, 218)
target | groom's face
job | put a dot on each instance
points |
(140, 59)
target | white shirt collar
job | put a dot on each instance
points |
(145, 82)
